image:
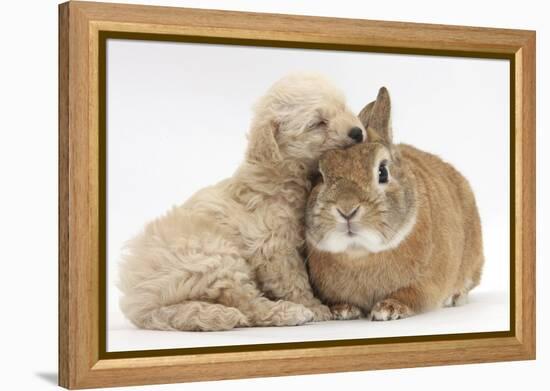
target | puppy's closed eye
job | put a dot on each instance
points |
(318, 124)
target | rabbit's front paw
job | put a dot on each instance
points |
(390, 309)
(345, 312)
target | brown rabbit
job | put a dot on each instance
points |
(391, 230)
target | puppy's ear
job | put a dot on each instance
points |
(379, 118)
(262, 143)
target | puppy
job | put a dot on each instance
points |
(231, 255)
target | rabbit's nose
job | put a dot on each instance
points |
(356, 134)
(348, 215)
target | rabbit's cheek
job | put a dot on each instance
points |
(402, 232)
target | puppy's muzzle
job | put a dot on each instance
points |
(356, 134)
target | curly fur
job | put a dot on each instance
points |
(397, 248)
(231, 255)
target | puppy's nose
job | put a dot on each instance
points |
(356, 134)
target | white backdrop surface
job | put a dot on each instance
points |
(177, 115)
(28, 157)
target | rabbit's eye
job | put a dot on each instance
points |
(382, 173)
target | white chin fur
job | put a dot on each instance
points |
(338, 241)
(369, 240)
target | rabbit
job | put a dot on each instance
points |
(391, 231)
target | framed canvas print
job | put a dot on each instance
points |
(247, 195)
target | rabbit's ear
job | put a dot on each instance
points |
(364, 114)
(379, 119)
(262, 144)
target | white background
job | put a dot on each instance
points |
(28, 157)
(176, 122)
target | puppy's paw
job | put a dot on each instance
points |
(345, 312)
(304, 316)
(321, 313)
(292, 314)
(390, 309)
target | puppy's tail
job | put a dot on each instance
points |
(190, 316)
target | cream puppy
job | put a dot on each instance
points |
(231, 255)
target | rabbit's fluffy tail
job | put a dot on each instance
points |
(191, 316)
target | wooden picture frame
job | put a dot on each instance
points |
(83, 30)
